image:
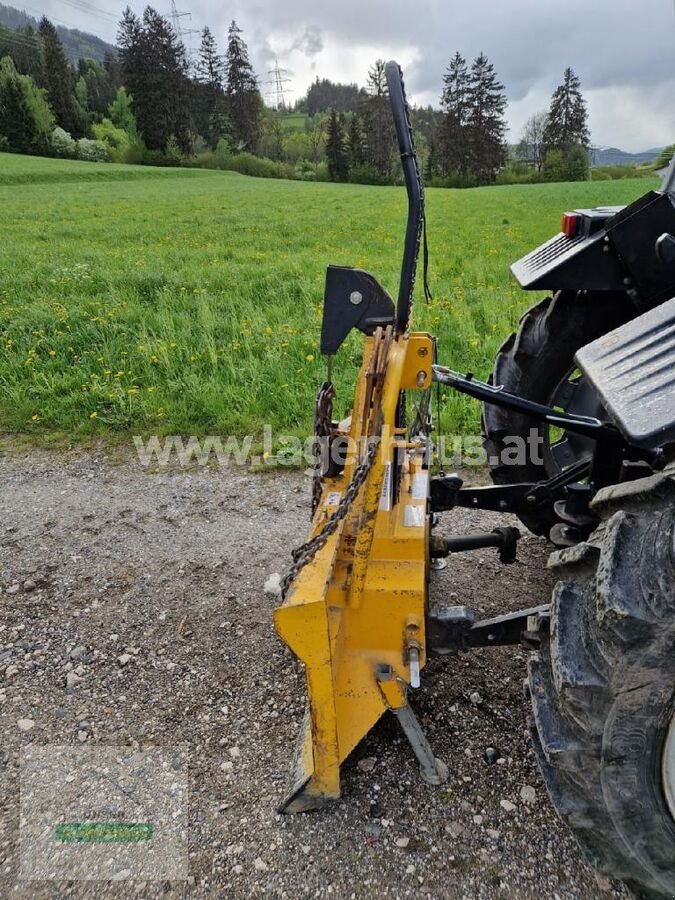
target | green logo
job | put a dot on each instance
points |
(104, 832)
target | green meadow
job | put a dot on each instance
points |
(139, 300)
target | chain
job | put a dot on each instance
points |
(323, 426)
(307, 551)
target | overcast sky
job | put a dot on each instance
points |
(623, 50)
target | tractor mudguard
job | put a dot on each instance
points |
(573, 263)
(614, 249)
(632, 369)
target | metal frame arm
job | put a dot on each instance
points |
(413, 183)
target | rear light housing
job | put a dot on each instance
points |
(571, 223)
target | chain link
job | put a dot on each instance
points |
(307, 551)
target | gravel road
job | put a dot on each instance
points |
(133, 614)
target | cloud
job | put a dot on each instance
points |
(310, 41)
(621, 49)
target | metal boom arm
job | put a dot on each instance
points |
(413, 183)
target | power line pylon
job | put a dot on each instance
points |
(277, 92)
(176, 16)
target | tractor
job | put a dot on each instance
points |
(592, 371)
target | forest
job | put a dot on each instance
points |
(147, 102)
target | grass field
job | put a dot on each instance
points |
(180, 301)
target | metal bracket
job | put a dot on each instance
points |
(452, 628)
(432, 770)
(447, 492)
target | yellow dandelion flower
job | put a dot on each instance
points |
(151, 389)
(119, 374)
(35, 418)
(93, 415)
(310, 357)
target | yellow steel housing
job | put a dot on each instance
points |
(360, 603)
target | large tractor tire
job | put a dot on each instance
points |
(537, 362)
(603, 687)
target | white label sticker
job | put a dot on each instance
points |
(420, 486)
(413, 517)
(385, 493)
(333, 498)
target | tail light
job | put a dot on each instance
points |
(570, 224)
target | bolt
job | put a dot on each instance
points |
(421, 378)
(356, 297)
(422, 351)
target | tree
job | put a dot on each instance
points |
(453, 151)
(380, 138)
(26, 121)
(60, 81)
(355, 146)
(154, 69)
(567, 119)
(120, 111)
(100, 91)
(212, 119)
(325, 94)
(485, 120)
(243, 98)
(316, 136)
(531, 146)
(210, 67)
(336, 152)
(271, 140)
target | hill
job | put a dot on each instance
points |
(612, 156)
(77, 44)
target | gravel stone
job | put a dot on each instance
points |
(528, 794)
(194, 545)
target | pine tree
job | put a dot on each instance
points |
(567, 120)
(243, 98)
(355, 141)
(380, 139)
(486, 124)
(453, 150)
(210, 68)
(336, 153)
(155, 71)
(59, 81)
(212, 121)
